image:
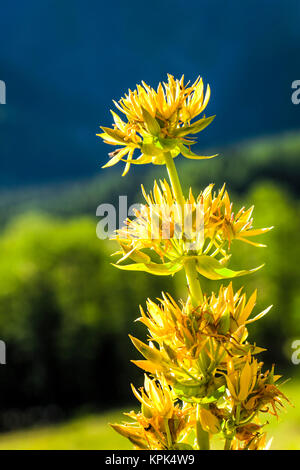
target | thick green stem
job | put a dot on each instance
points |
(193, 283)
(238, 414)
(227, 444)
(173, 175)
(168, 433)
(202, 436)
(190, 265)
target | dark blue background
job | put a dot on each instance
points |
(64, 61)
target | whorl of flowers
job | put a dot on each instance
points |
(203, 229)
(161, 423)
(157, 121)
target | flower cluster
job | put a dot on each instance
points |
(203, 229)
(204, 355)
(158, 121)
(162, 424)
(197, 339)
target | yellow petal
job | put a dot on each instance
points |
(245, 382)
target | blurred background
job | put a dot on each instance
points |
(65, 313)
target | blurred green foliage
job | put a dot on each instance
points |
(65, 312)
(240, 165)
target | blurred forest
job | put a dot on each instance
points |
(65, 312)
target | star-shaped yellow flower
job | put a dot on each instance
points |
(157, 121)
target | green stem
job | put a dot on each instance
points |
(202, 436)
(174, 179)
(190, 265)
(193, 283)
(227, 444)
(238, 414)
(168, 433)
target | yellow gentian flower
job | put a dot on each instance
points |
(158, 121)
(202, 228)
(241, 382)
(161, 422)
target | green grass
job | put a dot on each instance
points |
(93, 431)
(88, 432)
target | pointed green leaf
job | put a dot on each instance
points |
(150, 149)
(151, 354)
(212, 269)
(114, 134)
(224, 323)
(189, 391)
(215, 395)
(194, 128)
(151, 123)
(201, 124)
(135, 255)
(165, 269)
(186, 152)
(260, 315)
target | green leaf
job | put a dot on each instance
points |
(189, 390)
(113, 134)
(151, 123)
(194, 128)
(165, 269)
(215, 396)
(201, 124)
(186, 152)
(224, 323)
(151, 354)
(238, 349)
(139, 257)
(150, 149)
(135, 255)
(170, 353)
(212, 269)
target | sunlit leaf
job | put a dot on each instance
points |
(194, 128)
(186, 152)
(212, 269)
(165, 269)
(150, 122)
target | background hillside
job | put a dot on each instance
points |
(273, 159)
